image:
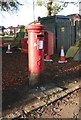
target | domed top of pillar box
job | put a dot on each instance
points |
(35, 26)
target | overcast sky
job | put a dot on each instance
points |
(26, 15)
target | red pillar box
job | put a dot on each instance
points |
(0, 42)
(35, 52)
(24, 46)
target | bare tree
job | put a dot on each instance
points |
(9, 5)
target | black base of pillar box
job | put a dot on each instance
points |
(35, 79)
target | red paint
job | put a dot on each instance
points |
(0, 42)
(48, 43)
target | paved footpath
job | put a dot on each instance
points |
(40, 96)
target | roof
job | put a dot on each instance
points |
(55, 16)
(74, 15)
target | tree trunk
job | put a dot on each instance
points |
(49, 7)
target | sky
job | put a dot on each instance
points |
(26, 15)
